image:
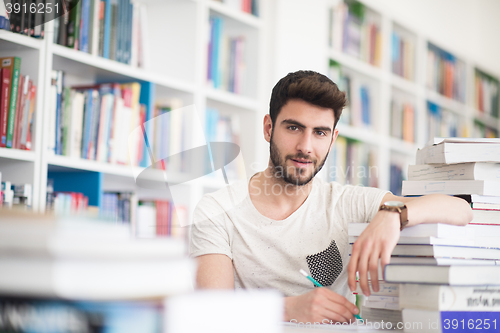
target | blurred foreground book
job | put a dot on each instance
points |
(86, 273)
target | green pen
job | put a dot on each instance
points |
(317, 284)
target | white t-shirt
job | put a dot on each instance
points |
(269, 254)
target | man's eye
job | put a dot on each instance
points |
(293, 128)
(321, 133)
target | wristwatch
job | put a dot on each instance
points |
(397, 206)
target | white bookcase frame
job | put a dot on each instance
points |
(40, 57)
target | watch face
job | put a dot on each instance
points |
(394, 204)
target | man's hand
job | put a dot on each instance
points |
(319, 306)
(376, 242)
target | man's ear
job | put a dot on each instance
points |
(268, 127)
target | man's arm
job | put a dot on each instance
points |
(381, 236)
(215, 271)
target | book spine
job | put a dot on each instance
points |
(107, 29)
(73, 24)
(4, 105)
(113, 29)
(19, 111)
(13, 100)
(85, 26)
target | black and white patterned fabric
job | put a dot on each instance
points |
(326, 265)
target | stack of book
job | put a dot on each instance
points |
(226, 58)
(17, 105)
(113, 29)
(486, 90)
(449, 275)
(62, 276)
(25, 17)
(445, 73)
(382, 305)
(355, 30)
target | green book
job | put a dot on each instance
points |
(13, 101)
(74, 25)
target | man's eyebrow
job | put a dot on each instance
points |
(296, 123)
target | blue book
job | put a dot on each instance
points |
(84, 31)
(87, 123)
(58, 316)
(107, 28)
(365, 105)
(130, 18)
(59, 87)
(395, 53)
(216, 70)
(119, 30)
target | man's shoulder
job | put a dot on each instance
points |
(225, 198)
(336, 189)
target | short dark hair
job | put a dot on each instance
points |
(311, 87)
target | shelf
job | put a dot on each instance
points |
(486, 119)
(445, 102)
(360, 134)
(357, 65)
(13, 42)
(402, 84)
(235, 14)
(101, 69)
(403, 147)
(231, 99)
(17, 154)
(63, 163)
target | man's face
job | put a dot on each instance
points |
(300, 141)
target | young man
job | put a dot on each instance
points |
(261, 233)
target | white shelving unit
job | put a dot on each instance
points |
(179, 33)
(389, 84)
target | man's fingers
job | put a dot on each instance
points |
(339, 312)
(353, 267)
(373, 268)
(363, 268)
(339, 299)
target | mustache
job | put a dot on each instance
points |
(301, 156)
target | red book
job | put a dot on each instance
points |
(4, 104)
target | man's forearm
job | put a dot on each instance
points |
(438, 208)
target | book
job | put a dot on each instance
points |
(14, 64)
(448, 298)
(461, 171)
(4, 104)
(442, 261)
(475, 198)
(80, 238)
(450, 321)
(428, 240)
(439, 230)
(445, 275)
(29, 314)
(453, 187)
(447, 251)
(77, 279)
(451, 152)
(482, 216)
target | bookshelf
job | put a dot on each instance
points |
(448, 94)
(177, 68)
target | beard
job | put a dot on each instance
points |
(292, 175)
